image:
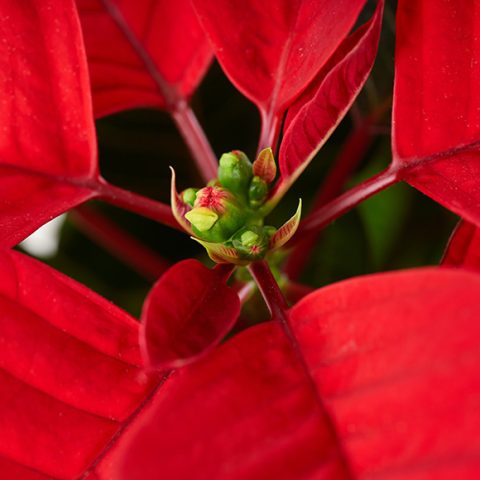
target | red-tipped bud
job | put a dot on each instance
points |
(264, 166)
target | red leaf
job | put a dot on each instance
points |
(272, 50)
(392, 391)
(437, 101)
(47, 139)
(317, 112)
(70, 375)
(464, 247)
(187, 313)
(142, 53)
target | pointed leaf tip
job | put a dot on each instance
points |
(287, 230)
(264, 166)
(179, 207)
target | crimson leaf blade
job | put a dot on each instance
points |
(394, 358)
(436, 102)
(316, 113)
(47, 138)
(158, 59)
(186, 314)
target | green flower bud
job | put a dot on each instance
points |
(235, 172)
(216, 215)
(257, 192)
(251, 242)
(189, 196)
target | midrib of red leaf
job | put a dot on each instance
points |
(270, 120)
(123, 426)
(279, 310)
(99, 188)
(168, 92)
(176, 104)
(411, 163)
(396, 172)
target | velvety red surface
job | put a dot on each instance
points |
(391, 392)
(436, 117)
(187, 313)
(47, 138)
(166, 32)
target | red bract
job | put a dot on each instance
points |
(381, 394)
(71, 374)
(187, 313)
(48, 159)
(436, 122)
(464, 247)
(142, 53)
(47, 139)
(436, 115)
(371, 377)
(272, 50)
(315, 114)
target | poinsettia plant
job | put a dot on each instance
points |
(375, 376)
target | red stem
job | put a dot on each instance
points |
(350, 156)
(344, 203)
(176, 104)
(119, 243)
(270, 131)
(133, 202)
(196, 140)
(277, 305)
(271, 293)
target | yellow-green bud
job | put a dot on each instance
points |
(201, 218)
(189, 196)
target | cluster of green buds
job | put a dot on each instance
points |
(227, 216)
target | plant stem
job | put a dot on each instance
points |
(119, 242)
(350, 156)
(270, 131)
(344, 203)
(176, 104)
(133, 202)
(271, 293)
(196, 140)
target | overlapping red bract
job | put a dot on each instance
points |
(70, 372)
(464, 247)
(186, 314)
(392, 382)
(47, 139)
(169, 35)
(315, 114)
(384, 353)
(272, 50)
(436, 101)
